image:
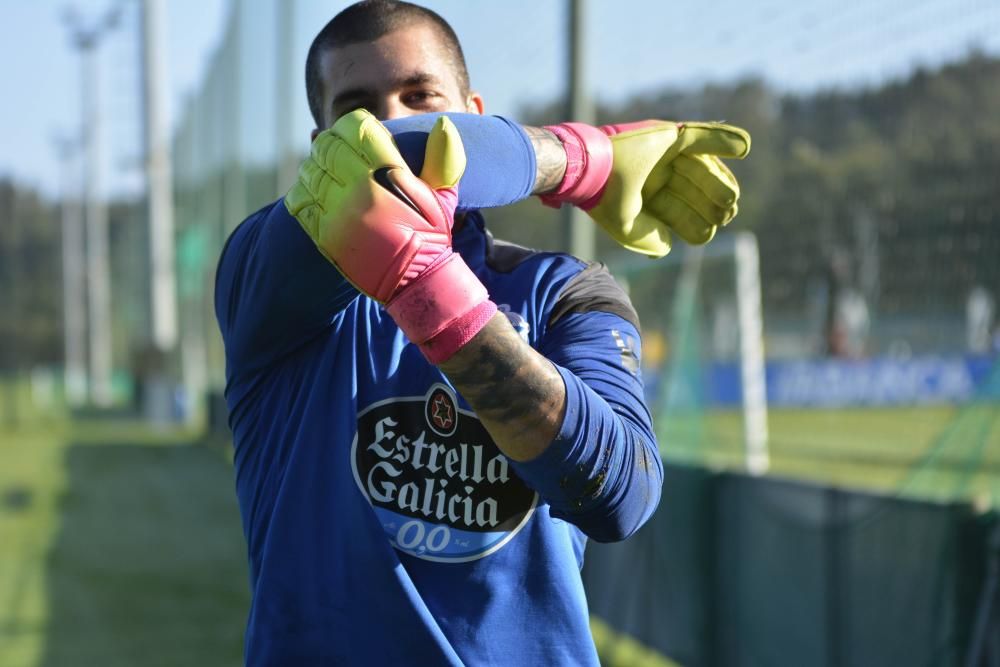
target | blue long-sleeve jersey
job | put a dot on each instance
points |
(384, 526)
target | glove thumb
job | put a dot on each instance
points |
(444, 156)
(435, 193)
(719, 139)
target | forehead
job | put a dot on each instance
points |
(401, 55)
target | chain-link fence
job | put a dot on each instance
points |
(870, 188)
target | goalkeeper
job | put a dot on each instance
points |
(429, 423)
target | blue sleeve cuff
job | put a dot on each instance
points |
(602, 471)
(501, 159)
(571, 472)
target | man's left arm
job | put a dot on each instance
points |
(571, 416)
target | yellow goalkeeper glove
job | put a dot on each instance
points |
(640, 181)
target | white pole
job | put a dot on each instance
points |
(234, 196)
(751, 324)
(579, 228)
(160, 199)
(287, 86)
(98, 272)
(74, 312)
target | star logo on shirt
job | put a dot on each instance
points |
(441, 409)
(441, 413)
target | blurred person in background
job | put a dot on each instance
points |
(429, 423)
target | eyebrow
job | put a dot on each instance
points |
(361, 92)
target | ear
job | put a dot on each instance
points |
(314, 134)
(474, 103)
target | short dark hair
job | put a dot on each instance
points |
(367, 21)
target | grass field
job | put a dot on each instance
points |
(118, 548)
(940, 453)
(123, 547)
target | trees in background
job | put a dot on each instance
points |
(890, 191)
(30, 279)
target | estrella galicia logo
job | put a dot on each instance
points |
(441, 488)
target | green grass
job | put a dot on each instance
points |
(119, 547)
(30, 483)
(929, 452)
(620, 650)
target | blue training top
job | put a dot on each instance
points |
(383, 524)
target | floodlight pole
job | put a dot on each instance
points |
(288, 163)
(579, 230)
(86, 40)
(74, 310)
(159, 187)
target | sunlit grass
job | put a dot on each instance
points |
(940, 452)
(120, 546)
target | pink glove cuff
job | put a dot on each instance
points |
(443, 309)
(588, 165)
(442, 346)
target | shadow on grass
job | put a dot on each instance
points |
(149, 565)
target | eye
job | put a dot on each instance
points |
(422, 98)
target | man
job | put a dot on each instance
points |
(428, 423)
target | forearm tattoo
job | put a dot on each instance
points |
(516, 392)
(550, 159)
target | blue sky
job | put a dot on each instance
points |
(514, 48)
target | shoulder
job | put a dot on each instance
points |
(247, 231)
(576, 286)
(234, 259)
(594, 289)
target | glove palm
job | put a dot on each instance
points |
(367, 212)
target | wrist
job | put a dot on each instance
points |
(588, 165)
(443, 308)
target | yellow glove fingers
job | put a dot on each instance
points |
(366, 136)
(689, 192)
(723, 170)
(710, 176)
(299, 196)
(324, 147)
(684, 219)
(345, 166)
(301, 200)
(302, 205)
(720, 168)
(730, 214)
(718, 139)
(657, 180)
(669, 177)
(444, 156)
